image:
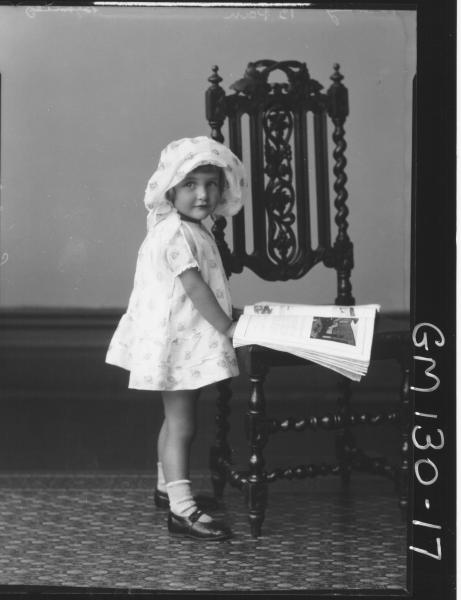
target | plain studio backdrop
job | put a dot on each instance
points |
(90, 96)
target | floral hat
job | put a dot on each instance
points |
(183, 156)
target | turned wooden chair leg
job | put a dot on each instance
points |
(403, 472)
(220, 452)
(256, 485)
(344, 440)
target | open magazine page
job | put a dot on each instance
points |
(337, 337)
(328, 310)
(289, 330)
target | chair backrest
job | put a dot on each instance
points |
(282, 142)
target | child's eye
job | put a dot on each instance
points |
(189, 184)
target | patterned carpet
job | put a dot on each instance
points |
(103, 531)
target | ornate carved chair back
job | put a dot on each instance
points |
(283, 143)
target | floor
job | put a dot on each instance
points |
(102, 531)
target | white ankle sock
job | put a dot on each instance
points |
(161, 483)
(182, 502)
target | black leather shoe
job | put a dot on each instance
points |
(192, 527)
(203, 502)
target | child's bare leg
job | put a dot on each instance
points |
(204, 502)
(174, 452)
(160, 443)
(161, 439)
(177, 433)
(175, 447)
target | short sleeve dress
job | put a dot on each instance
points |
(162, 339)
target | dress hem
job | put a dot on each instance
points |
(202, 384)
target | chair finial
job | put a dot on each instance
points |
(215, 105)
(337, 77)
(338, 101)
(215, 78)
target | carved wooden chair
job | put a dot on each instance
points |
(281, 222)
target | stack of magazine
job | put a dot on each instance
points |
(336, 337)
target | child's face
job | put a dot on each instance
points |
(197, 195)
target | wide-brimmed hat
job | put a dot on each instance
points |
(182, 156)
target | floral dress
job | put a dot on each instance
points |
(162, 339)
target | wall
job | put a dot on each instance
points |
(91, 95)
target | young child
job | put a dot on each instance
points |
(176, 333)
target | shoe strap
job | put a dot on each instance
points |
(195, 516)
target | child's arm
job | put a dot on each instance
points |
(205, 302)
